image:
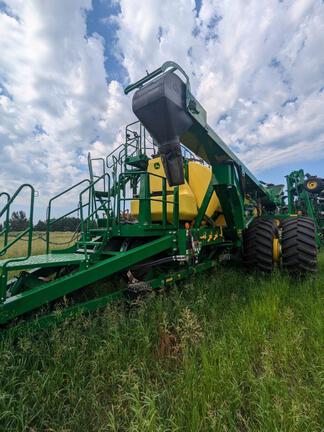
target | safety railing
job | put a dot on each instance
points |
(90, 165)
(6, 231)
(93, 210)
(145, 198)
(144, 140)
(90, 205)
(119, 154)
(49, 221)
(137, 141)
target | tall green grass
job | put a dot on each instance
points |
(225, 351)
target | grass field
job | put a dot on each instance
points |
(59, 239)
(225, 351)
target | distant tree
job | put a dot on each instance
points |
(40, 226)
(66, 224)
(71, 224)
(18, 221)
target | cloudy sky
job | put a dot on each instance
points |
(257, 66)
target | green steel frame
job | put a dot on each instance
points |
(23, 293)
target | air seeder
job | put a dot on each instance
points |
(170, 202)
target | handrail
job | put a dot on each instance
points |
(142, 134)
(111, 153)
(90, 160)
(95, 176)
(49, 208)
(5, 229)
(122, 149)
(148, 197)
(18, 237)
(90, 165)
(54, 221)
(162, 69)
(91, 185)
(28, 230)
(101, 207)
(6, 208)
(139, 138)
(92, 212)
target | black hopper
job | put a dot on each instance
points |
(161, 107)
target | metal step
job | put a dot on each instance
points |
(93, 243)
(139, 161)
(97, 238)
(101, 194)
(50, 260)
(82, 251)
(98, 230)
(90, 245)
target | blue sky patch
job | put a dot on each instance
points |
(100, 20)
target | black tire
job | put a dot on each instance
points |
(299, 249)
(258, 245)
(314, 185)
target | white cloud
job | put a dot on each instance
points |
(152, 32)
(54, 100)
(257, 67)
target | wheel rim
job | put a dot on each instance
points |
(276, 250)
(312, 185)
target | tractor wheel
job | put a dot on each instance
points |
(260, 245)
(314, 185)
(299, 250)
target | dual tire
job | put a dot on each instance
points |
(298, 245)
(258, 242)
(299, 249)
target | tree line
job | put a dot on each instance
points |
(19, 222)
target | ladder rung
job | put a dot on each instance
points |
(93, 243)
(95, 239)
(101, 194)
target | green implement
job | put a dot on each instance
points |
(170, 201)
